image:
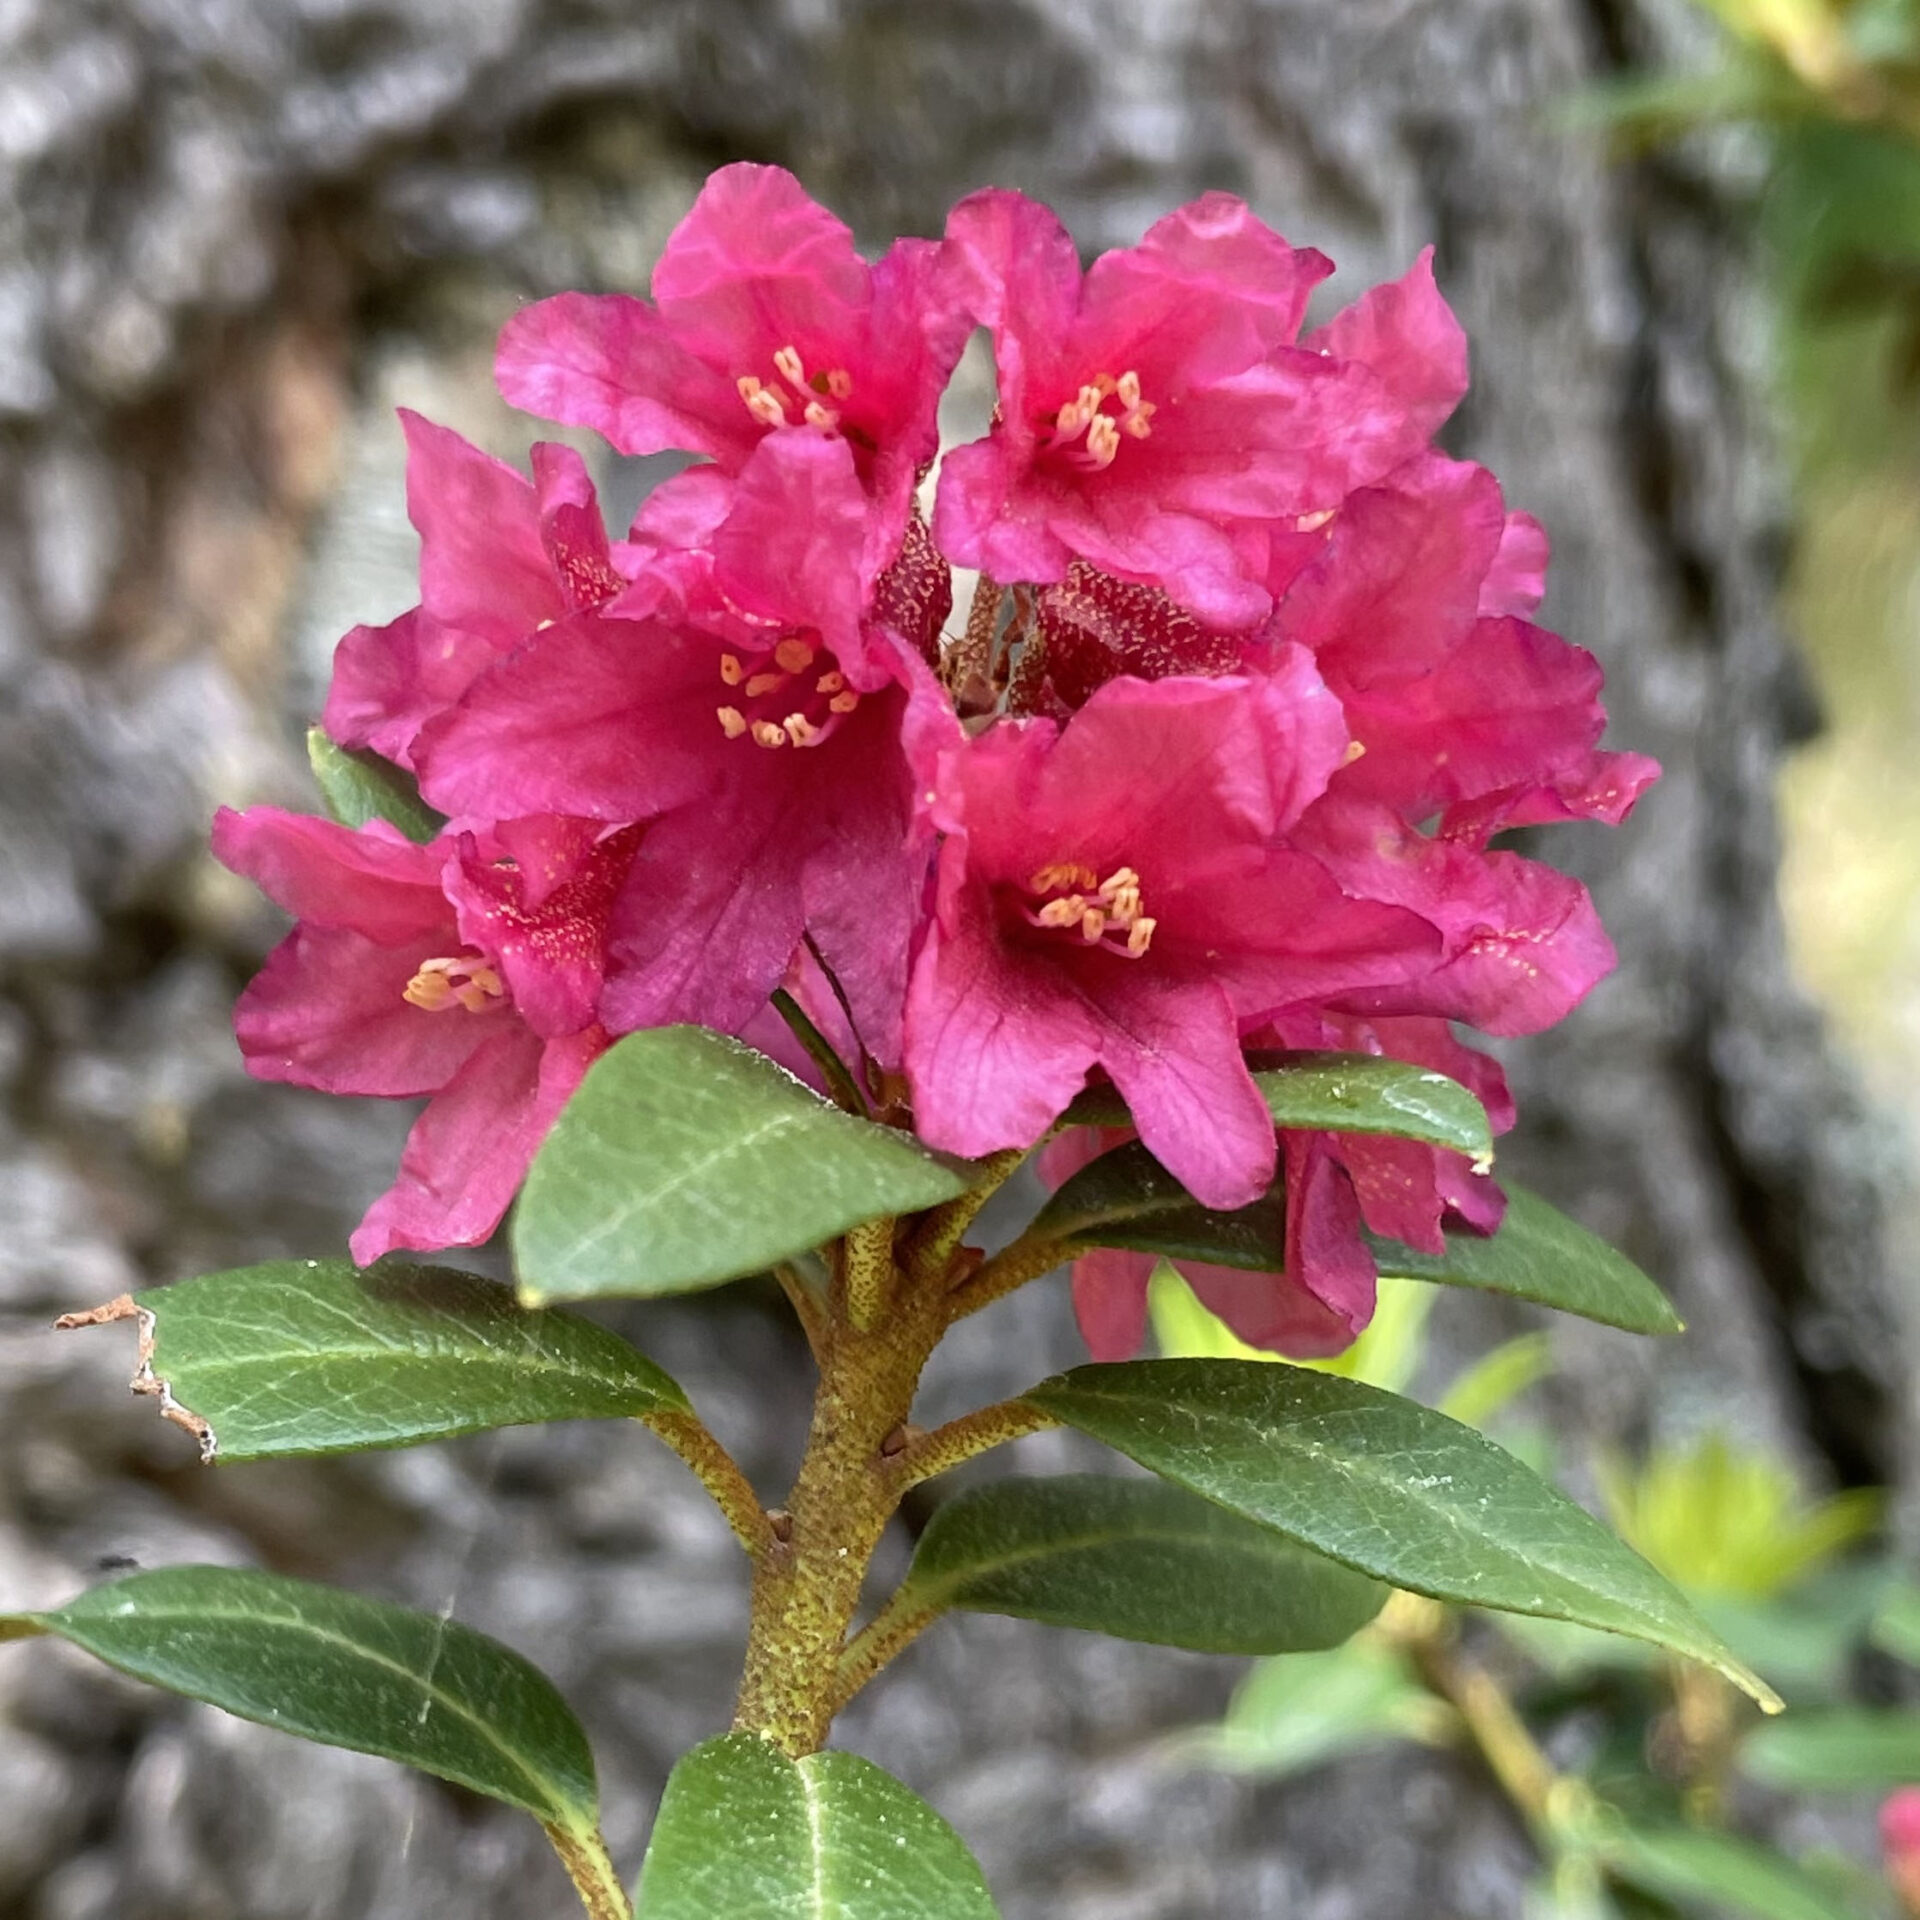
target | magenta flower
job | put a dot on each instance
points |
(763, 316)
(457, 970)
(499, 557)
(753, 708)
(1155, 406)
(1487, 722)
(1115, 894)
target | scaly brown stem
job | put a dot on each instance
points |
(932, 1248)
(867, 1266)
(966, 1439)
(1009, 1269)
(881, 1641)
(584, 1855)
(720, 1474)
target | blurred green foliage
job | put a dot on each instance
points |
(1674, 1764)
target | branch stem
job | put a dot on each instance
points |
(584, 1855)
(878, 1644)
(720, 1474)
(1009, 1270)
(868, 1270)
(967, 1438)
(932, 1248)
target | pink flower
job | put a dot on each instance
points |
(753, 709)
(1158, 405)
(1116, 894)
(763, 316)
(499, 557)
(1900, 1844)
(461, 971)
(1320, 1293)
(1462, 711)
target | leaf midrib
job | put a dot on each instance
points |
(199, 1615)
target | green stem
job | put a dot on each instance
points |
(719, 1473)
(584, 1855)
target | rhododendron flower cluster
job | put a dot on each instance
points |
(1212, 766)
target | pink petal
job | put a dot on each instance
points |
(388, 682)
(1110, 1300)
(1326, 1257)
(328, 1010)
(482, 566)
(609, 362)
(1269, 1310)
(470, 1149)
(374, 881)
(1517, 581)
(1406, 333)
(572, 533)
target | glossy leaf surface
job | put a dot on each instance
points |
(344, 1671)
(315, 1356)
(1383, 1485)
(746, 1833)
(1541, 1255)
(1343, 1093)
(1137, 1559)
(687, 1159)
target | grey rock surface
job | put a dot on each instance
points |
(232, 234)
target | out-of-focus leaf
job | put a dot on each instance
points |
(1845, 1750)
(1302, 1710)
(1721, 1520)
(1896, 1622)
(1497, 1379)
(1386, 1355)
(1715, 1873)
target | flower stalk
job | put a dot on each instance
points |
(593, 1874)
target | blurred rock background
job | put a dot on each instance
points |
(233, 235)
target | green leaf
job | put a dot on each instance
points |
(1383, 1485)
(1342, 1093)
(747, 1833)
(1849, 1749)
(1136, 1559)
(687, 1159)
(357, 786)
(347, 1672)
(1896, 1622)
(1497, 1379)
(1540, 1255)
(1126, 1198)
(1302, 1710)
(314, 1356)
(1721, 1873)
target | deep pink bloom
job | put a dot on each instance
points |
(763, 316)
(1463, 712)
(1157, 404)
(745, 699)
(439, 970)
(1320, 1292)
(1115, 893)
(499, 556)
